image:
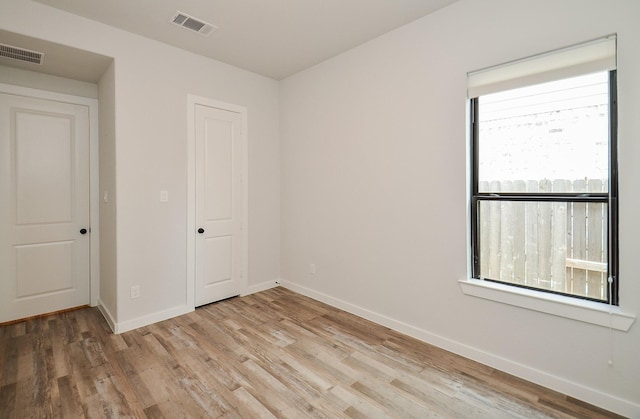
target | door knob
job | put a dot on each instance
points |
(83, 231)
(201, 230)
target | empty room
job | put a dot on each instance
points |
(320, 208)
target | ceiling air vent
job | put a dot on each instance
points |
(193, 24)
(21, 54)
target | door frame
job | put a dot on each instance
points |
(192, 101)
(94, 208)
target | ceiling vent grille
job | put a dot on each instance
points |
(21, 54)
(193, 24)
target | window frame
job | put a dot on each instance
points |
(610, 198)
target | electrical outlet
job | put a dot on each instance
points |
(312, 269)
(135, 292)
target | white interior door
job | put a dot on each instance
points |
(44, 185)
(218, 195)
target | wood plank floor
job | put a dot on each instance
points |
(271, 354)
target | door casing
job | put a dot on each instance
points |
(94, 220)
(192, 101)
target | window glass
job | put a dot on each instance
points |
(555, 246)
(551, 137)
(544, 195)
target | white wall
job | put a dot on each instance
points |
(151, 82)
(25, 78)
(108, 216)
(374, 189)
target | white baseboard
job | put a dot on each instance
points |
(166, 314)
(121, 327)
(107, 315)
(578, 391)
(263, 286)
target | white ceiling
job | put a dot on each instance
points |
(275, 38)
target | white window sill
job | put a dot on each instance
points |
(558, 305)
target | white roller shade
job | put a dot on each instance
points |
(589, 57)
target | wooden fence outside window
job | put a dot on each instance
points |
(559, 246)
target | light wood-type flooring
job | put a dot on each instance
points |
(270, 354)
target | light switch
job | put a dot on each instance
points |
(164, 196)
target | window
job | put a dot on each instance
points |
(543, 173)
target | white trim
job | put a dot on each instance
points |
(600, 314)
(192, 101)
(107, 315)
(263, 286)
(579, 391)
(94, 202)
(191, 200)
(151, 318)
(94, 199)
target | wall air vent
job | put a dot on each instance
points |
(193, 24)
(21, 54)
